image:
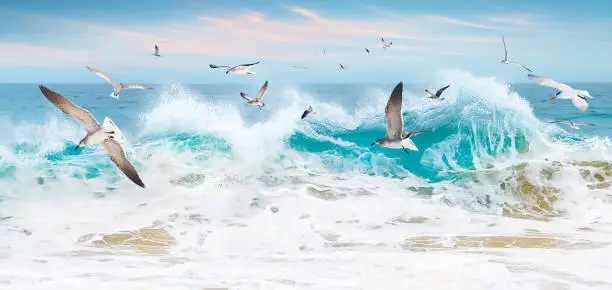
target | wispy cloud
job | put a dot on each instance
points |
(455, 21)
(517, 20)
(256, 35)
(307, 13)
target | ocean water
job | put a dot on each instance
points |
(238, 198)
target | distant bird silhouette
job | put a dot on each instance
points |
(437, 94)
(156, 51)
(306, 112)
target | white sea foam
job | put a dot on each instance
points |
(261, 215)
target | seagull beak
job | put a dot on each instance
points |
(553, 98)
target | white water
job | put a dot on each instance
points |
(247, 221)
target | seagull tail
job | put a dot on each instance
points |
(109, 127)
(408, 144)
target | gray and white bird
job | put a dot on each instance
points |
(507, 61)
(237, 69)
(306, 112)
(578, 97)
(572, 124)
(156, 53)
(256, 102)
(106, 135)
(395, 137)
(437, 94)
(385, 44)
(117, 87)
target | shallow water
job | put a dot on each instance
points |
(237, 198)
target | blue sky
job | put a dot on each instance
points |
(53, 41)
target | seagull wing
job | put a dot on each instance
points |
(137, 86)
(74, 111)
(248, 64)
(561, 122)
(103, 75)
(245, 96)
(306, 112)
(116, 154)
(393, 112)
(584, 123)
(156, 49)
(526, 68)
(580, 103)
(584, 93)
(505, 49)
(217, 66)
(431, 95)
(440, 91)
(549, 83)
(262, 91)
(413, 133)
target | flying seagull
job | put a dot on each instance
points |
(257, 101)
(117, 87)
(367, 50)
(105, 135)
(306, 112)
(507, 61)
(395, 137)
(156, 51)
(572, 124)
(578, 97)
(237, 69)
(437, 94)
(385, 45)
(300, 67)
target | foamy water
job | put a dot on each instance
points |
(494, 199)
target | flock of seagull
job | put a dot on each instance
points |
(110, 137)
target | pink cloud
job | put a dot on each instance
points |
(24, 54)
(254, 36)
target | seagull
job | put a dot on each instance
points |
(237, 69)
(395, 137)
(257, 101)
(306, 112)
(300, 67)
(507, 61)
(341, 66)
(117, 87)
(367, 50)
(385, 45)
(106, 135)
(156, 51)
(437, 94)
(578, 97)
(572, 124)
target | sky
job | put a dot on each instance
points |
(52, 41)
